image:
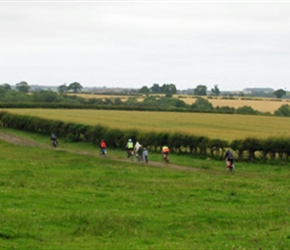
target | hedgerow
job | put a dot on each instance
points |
(250, 148)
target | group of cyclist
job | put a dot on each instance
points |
(141, 153)
(137, 150)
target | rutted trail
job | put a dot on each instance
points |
(17, 140)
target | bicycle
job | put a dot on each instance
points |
(130, 154)
(54, 143)
(230, 166)
(166, 157)
(103, 152)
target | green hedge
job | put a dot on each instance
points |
(250, 149)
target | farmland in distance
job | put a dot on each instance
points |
(261, 104)
(222, 126)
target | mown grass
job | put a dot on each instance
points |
(222, 126)
(54, 199)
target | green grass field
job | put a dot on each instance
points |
(60, 199)
(222, 126)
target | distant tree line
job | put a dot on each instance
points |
(168, 89)
(20, 97)
(24, 87)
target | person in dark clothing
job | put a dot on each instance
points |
(145, 154)
(229, 158)
(53, 140)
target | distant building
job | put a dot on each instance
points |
(260, 90)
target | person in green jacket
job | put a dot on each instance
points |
(129, 147)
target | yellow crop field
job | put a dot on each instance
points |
(260, 104)
(222, 126)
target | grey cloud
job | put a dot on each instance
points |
(112, 43)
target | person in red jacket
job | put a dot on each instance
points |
(103, 146)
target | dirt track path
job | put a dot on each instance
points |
(17, 140)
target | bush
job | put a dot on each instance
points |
(202, 104)
(246, 110)
(225, 109)
(95, 133)
(176, 141)
(284, 110)
(217, 147)
(251, 145)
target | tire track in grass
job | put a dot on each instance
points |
(21, 141)
(18, 140)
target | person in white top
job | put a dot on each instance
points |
(138, 151)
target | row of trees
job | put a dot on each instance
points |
(24, 87)
(250, 149)
(200, 90)
(21, 87)
(168, 89)
(74, 87)
(51, 99)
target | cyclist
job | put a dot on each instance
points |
(53, 140)
(229, 158)
(129, 147)
(103, 146)
(165, 152)
(145, 154)
(138, 151)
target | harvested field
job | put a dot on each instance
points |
(260, 104)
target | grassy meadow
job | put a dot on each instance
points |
(221, 126)
(71, 198)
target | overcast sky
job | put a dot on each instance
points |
(234, 45)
